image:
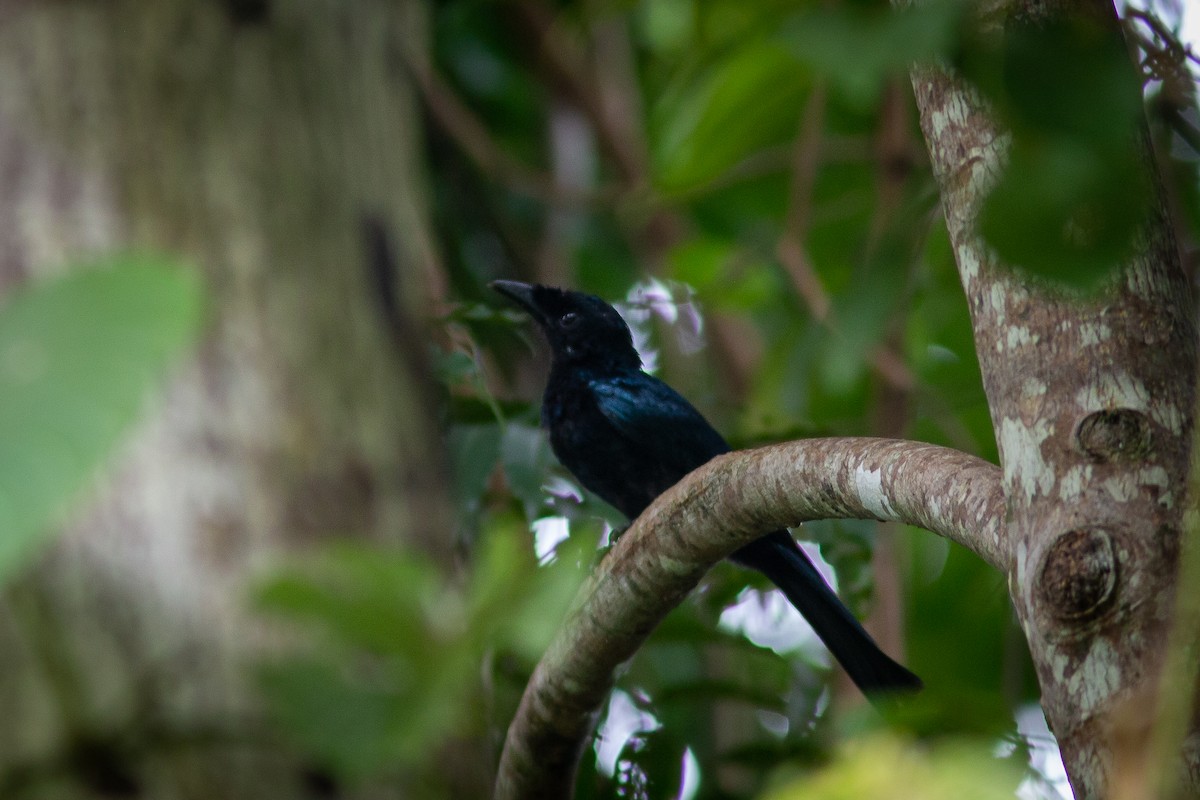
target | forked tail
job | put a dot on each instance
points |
(779, 558)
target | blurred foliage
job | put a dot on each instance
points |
(760, 166)
(388, 678)
(79, 355)
(750, 180)
(888, 767)
(1075, 192)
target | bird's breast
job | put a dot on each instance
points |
(593, 450)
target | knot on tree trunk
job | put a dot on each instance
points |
(1120, 434)
(1079, 574)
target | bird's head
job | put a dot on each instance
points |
(579, 327)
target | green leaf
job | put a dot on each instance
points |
(1074, 194)
(666, 25)
(650, 765)
(859, 48)
(723, 277)
(847, 545)
(1070, 77)
(1066, 211)
(454, 367)
(962, 641)
(78, 357)
(393, 668)
(474, 451)
(889, 767)
(346, 726)
(862, 316)
(700, 262)
(526, 456)
(747, 102)
(380, 602)
(522, 606)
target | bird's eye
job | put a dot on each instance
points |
(569, 320)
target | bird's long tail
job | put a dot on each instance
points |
(779, 558)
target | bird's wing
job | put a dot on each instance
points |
(665, 427)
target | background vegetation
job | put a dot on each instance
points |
(749, 180)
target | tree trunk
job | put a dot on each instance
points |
(254, 139)
(1092, 404)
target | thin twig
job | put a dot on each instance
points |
(1168, 36)
(568, 71)
(806, 158)
(471, 135)
(790, 250)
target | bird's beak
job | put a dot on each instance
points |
(519, 293)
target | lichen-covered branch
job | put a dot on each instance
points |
(715, 510)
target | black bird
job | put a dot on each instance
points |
(628, 437)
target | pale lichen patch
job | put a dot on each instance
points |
(1021, 454)
(968, 264)
(1121, 488)
(998, 298)
(1059, 662)
(1092, 333)
(1126, 488)
(1097, 678)
(1020, 336)
(1071, 486)
(1022, 565)
(1032, 387)
(1154, 476)
(953, 113)
(869, 485)
(1168, 415)
(673, 566)
(1114, 390)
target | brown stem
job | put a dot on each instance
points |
(790, 250)
(806, 158)
(456, 119)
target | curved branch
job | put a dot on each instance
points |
(716, 509)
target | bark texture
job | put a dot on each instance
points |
(252, 138)
(1091, 402)
(712, 512)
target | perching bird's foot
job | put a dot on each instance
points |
(614, 534)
